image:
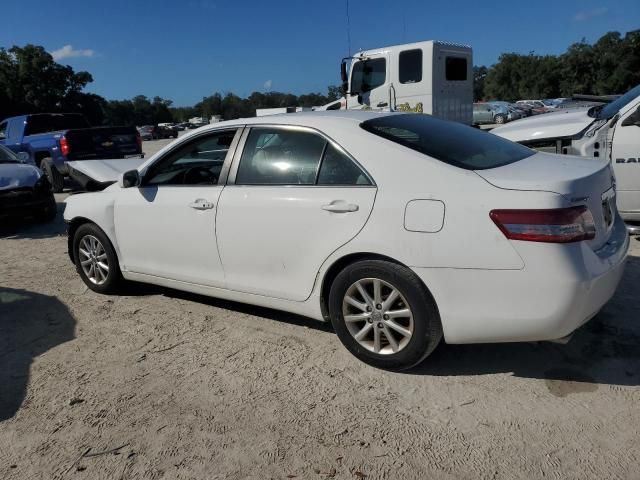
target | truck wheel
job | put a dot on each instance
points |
(53, 175)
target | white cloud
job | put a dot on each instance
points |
(69, 52)
(267, 85)
(589, 14)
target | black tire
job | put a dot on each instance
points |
(48, 212)
(427, 329)
(500, 119)
(53, 175)
(113, 278)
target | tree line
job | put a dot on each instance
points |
(609, 66)
(32, 82)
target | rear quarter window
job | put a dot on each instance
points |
(450, 142)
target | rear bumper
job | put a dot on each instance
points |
(560, 289)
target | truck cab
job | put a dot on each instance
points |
(425, 77)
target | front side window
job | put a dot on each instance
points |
(278, 156)
(450, 142)
(198, 162)
(368, 74)
(456, 69)
(410, 66)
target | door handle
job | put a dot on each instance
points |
(340, 207)
(201, 204)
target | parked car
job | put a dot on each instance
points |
(513, 112)
(307, 214)
(52, 139)
(155, 132)
(147, 132)
(24, 190)
(489, 113)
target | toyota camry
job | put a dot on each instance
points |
(400, 229)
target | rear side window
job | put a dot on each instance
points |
(280, 157)
(3, 130)
(449, 142)
(368, 74)
(410, 66)
(277, 156)
(338, 169)
(456, 69)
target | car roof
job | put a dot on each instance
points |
(304, 119)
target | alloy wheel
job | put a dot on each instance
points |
(377, 316)
(93, 259)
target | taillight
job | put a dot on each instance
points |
(558, 225)
(64, 146)
(139, 140)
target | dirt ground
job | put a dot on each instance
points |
(158, 384)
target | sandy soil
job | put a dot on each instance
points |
(158, 384)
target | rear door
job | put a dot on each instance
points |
(293, 197)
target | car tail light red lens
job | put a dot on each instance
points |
(64, 146)
(558, 225)
(139, 140)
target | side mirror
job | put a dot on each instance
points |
(633, 119)
(129, 179)
(24, 157)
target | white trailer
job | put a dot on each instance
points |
(426, 77)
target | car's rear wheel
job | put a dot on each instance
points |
(384, 315)
(95, 259)
(53, 175)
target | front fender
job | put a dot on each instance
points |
(97, 208)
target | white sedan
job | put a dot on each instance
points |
(398, 228)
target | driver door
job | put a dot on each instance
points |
(166, 227)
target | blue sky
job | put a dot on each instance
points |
(186, 49)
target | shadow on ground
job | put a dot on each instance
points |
(30, 324)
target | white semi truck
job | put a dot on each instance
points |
(426, 77)
(609, 131)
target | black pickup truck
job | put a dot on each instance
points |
(52, 139)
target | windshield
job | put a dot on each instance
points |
(7, 156)
(614, 107)
(449, 142)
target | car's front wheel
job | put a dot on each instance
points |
(95, 259)
(384, 315)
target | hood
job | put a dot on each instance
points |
(16, 175)
(105, 171)
(564, 123)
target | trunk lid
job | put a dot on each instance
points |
(582, 181)
(102, 142)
